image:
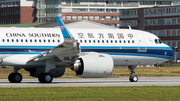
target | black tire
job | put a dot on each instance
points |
(130, 79)
(133, 78)
(40, 78)
(15, 78)
(45, 78)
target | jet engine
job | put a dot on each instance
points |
(94, 65)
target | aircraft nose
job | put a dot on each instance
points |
(171, 53)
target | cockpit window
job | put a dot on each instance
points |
(159, 41)
(156, 41)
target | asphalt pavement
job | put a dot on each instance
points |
(86, 82)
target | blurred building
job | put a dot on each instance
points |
(17, 11)
(105, 11)
(102, 11)
(161, 21)
(29, 11)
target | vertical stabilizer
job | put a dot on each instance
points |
(65, 32)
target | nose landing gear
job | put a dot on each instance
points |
(132, 78)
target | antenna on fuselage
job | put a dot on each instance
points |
(129, 27)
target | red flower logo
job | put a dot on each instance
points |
(62, 27)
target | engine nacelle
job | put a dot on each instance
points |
(94, 65)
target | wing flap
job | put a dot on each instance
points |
(68, 51)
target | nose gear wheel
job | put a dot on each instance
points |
(133, 78)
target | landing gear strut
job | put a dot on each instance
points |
(132, 78)
(15, 77)
(47, 77)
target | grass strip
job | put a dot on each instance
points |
(145, 93)
(21, 25)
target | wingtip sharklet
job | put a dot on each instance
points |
(65, 32)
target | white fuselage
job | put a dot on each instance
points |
(127, 47)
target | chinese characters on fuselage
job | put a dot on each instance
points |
(102, 35)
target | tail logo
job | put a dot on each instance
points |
(62, 27)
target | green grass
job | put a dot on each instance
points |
(135, 93)
(21, 25)
(145, 93)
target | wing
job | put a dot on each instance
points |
(65, 53)
(68, 51)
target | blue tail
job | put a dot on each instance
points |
(66, 34)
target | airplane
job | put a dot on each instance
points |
(91, 53)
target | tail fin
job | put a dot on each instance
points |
(65, 32)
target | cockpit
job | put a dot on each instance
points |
(158, 41)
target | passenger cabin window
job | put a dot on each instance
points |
(107, 41)
(102, 41)
(39, 40)
(21, 40)
(133, 41)
(128, 41)
(16, 40)
(7, 40)
(119, 41)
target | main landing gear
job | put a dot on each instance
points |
(132, 78)
(15, 77)
(45, 78)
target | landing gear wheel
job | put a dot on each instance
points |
(15, 78)
(133, 78)
(45, 78)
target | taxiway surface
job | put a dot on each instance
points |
(77, 82)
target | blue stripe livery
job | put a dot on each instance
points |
(124, 47)
(63, 28)
(159, 52)
(25, 47)
(145, 55)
